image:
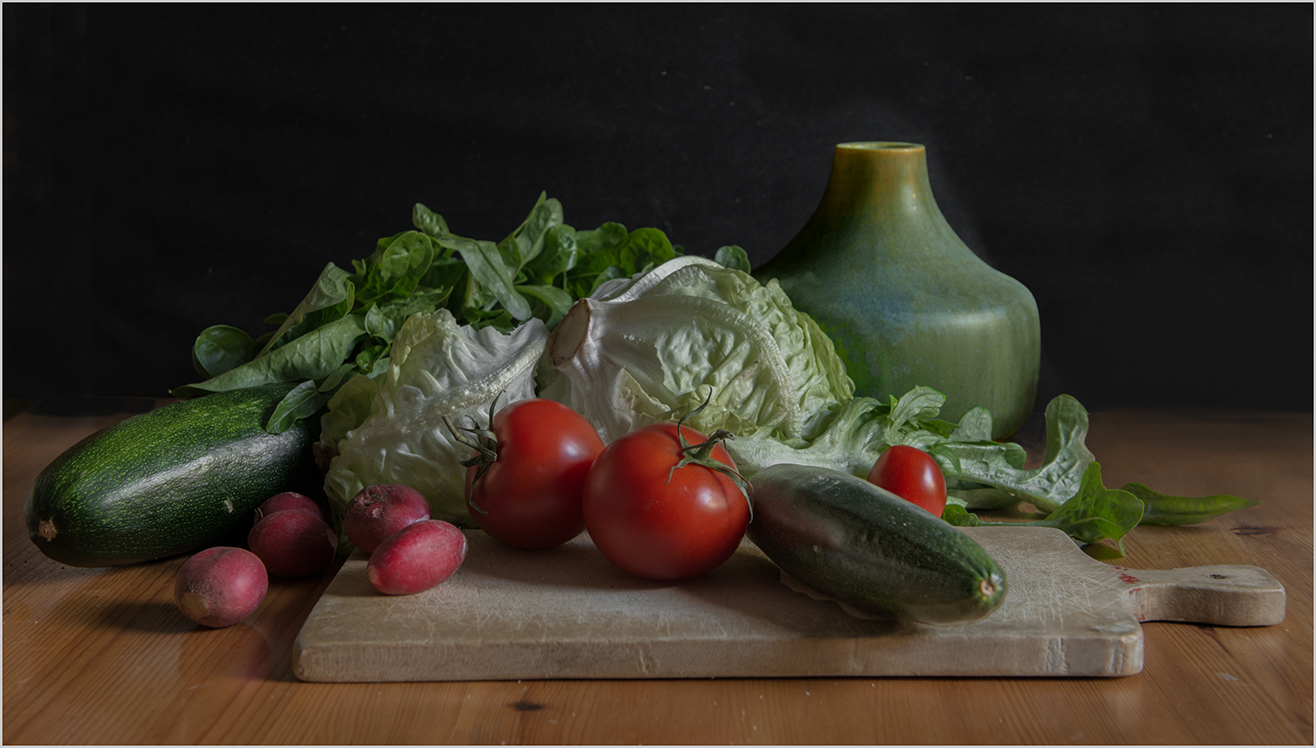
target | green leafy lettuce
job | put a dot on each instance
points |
(391, 430)
(345, 326)
(1094, 514)
(655, 346)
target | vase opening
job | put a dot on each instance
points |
(880, 145)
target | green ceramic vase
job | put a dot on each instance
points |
(905, 301)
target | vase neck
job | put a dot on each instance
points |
(879, 178)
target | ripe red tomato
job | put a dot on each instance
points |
(529, 497)
(660, 529)
(913, 475)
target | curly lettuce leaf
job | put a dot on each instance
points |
(980, 473)
(986, 474)
(655, 346)
(1093, 515)
(437, 369)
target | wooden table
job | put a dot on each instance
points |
(102, 656)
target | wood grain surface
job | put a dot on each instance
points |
(101, 656)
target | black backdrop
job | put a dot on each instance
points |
(1145, 170)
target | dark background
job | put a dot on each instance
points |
(1145, 170)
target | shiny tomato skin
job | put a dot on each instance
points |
(530, 496)
(911, 474)
(655, 529)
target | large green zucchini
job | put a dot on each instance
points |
(173, 480)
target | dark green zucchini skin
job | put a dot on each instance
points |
(868, 548)
(169, 481)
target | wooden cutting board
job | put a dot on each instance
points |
(567, 613)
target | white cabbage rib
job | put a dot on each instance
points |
(682, 270)
(654, 347)
(438, 369)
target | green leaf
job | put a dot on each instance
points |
(445, 275)
(631, 253)
(1097, 513)
(314, 355)
(602, 239)
(1093, 515)
(379, 325)
(338, 378)
(491, 274)
(997, 467)
(973, 496)
(395, 269)
(732, 256)
(422, 301)
(222, 347)
(558, 256)
(610, 252)
(1164, 509)
(557, 301)
(304, 401)
(915, 406)
(428, 221)
(348, 408)
(332, 292)
(959, 516)
(527, 240)
(611, 272)
(499, 319)
(974, 426)
(369, 357)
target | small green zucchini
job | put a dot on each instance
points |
(868, 549)
(169, 481)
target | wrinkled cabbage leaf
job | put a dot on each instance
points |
(656, 346)
(437, 369)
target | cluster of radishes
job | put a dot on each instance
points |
(409, 552)
(291, 537)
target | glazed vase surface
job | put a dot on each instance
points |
(906, 302)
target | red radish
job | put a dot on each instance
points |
(379, 511)
(293, 543)
(291, 500)
(220, 586)
(416, 558)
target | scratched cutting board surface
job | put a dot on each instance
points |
(566, 613)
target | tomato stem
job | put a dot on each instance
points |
(483, 441)
(702, 454)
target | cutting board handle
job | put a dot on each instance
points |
(1227, 595)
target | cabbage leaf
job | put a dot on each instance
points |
(437, 369)
(655, 346)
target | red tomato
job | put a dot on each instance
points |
(656, 528)
(529, 497)
(913, 475)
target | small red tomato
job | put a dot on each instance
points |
(657, 523)
(529, 496)
(913, 475)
